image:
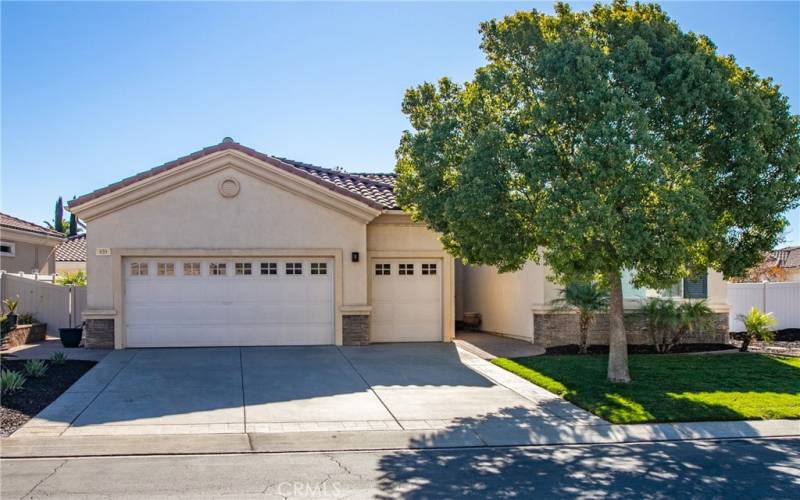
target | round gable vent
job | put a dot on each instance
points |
(229, 188)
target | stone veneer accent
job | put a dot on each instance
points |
(99, 333)
(554, 329)
(25, 334)
(355, 329)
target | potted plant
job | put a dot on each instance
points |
(71, 337)
(11, 316)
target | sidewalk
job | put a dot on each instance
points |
(78, 446)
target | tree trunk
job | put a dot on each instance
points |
(617, 340)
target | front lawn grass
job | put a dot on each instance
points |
(672, 388)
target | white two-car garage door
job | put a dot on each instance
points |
(226, 302)
(406, 300)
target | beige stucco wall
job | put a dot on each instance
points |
(394, 235)
(506, 300)
(32, 254)
(70, 267)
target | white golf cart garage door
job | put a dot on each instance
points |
(228, 302)
(406, 300)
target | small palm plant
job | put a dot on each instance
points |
(588, 299)
(11, 381)
(759, 327)
(663, 319)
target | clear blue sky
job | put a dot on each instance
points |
(95, 92)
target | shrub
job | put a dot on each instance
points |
(759, 327)
(78, 278)
(11, 381)
(26, 319)
(669, 322)
(35, 368)
(58, 358)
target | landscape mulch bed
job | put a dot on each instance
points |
(639, 349)
(37, 393)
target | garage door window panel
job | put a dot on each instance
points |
(383, 269)
(269, 268)
(244, 269)
(294, 268)
(319, 268)
(139, 269)
(218, 269)
(429, 269)
(165, 269)
(405, 269)
(191, 269)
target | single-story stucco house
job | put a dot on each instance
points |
(71, 255)
(27, 247)
(229, 246)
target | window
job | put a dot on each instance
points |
(269, 268)
(165, 269)
(405, 269)
(319, 268)
(191, 269)
(244, 269)
(428, 269)
(218, 269)
(294, 268)
(138, 268)
(8, 249)
(383, 269)
(696, 287)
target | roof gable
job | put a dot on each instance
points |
(368, 191)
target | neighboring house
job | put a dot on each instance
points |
(519, 305)
(787, 260)
(27, 247)
(229, 246)
(71, 255)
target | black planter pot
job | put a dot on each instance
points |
(11, 320)
(70, 337)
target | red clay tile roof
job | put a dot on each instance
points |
(72, 250)
(370, 191)
(23, 225)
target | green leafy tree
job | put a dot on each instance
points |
(587, 299)
(758, 326)
(601, 141)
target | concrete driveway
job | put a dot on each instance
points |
(286, 389)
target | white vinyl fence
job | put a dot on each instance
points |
(781, 299)
(58, 306)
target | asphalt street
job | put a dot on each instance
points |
(697, 469)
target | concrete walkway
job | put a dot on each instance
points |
(265, 390)
(489, 346)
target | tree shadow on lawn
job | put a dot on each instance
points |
(641, 470)
(673, 388)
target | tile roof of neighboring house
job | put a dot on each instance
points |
(786, 257)
(72, 250)
(23, 225)
(373, 192)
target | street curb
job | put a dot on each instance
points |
(296, 442)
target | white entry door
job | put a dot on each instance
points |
(228, 302)
(406, 300)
